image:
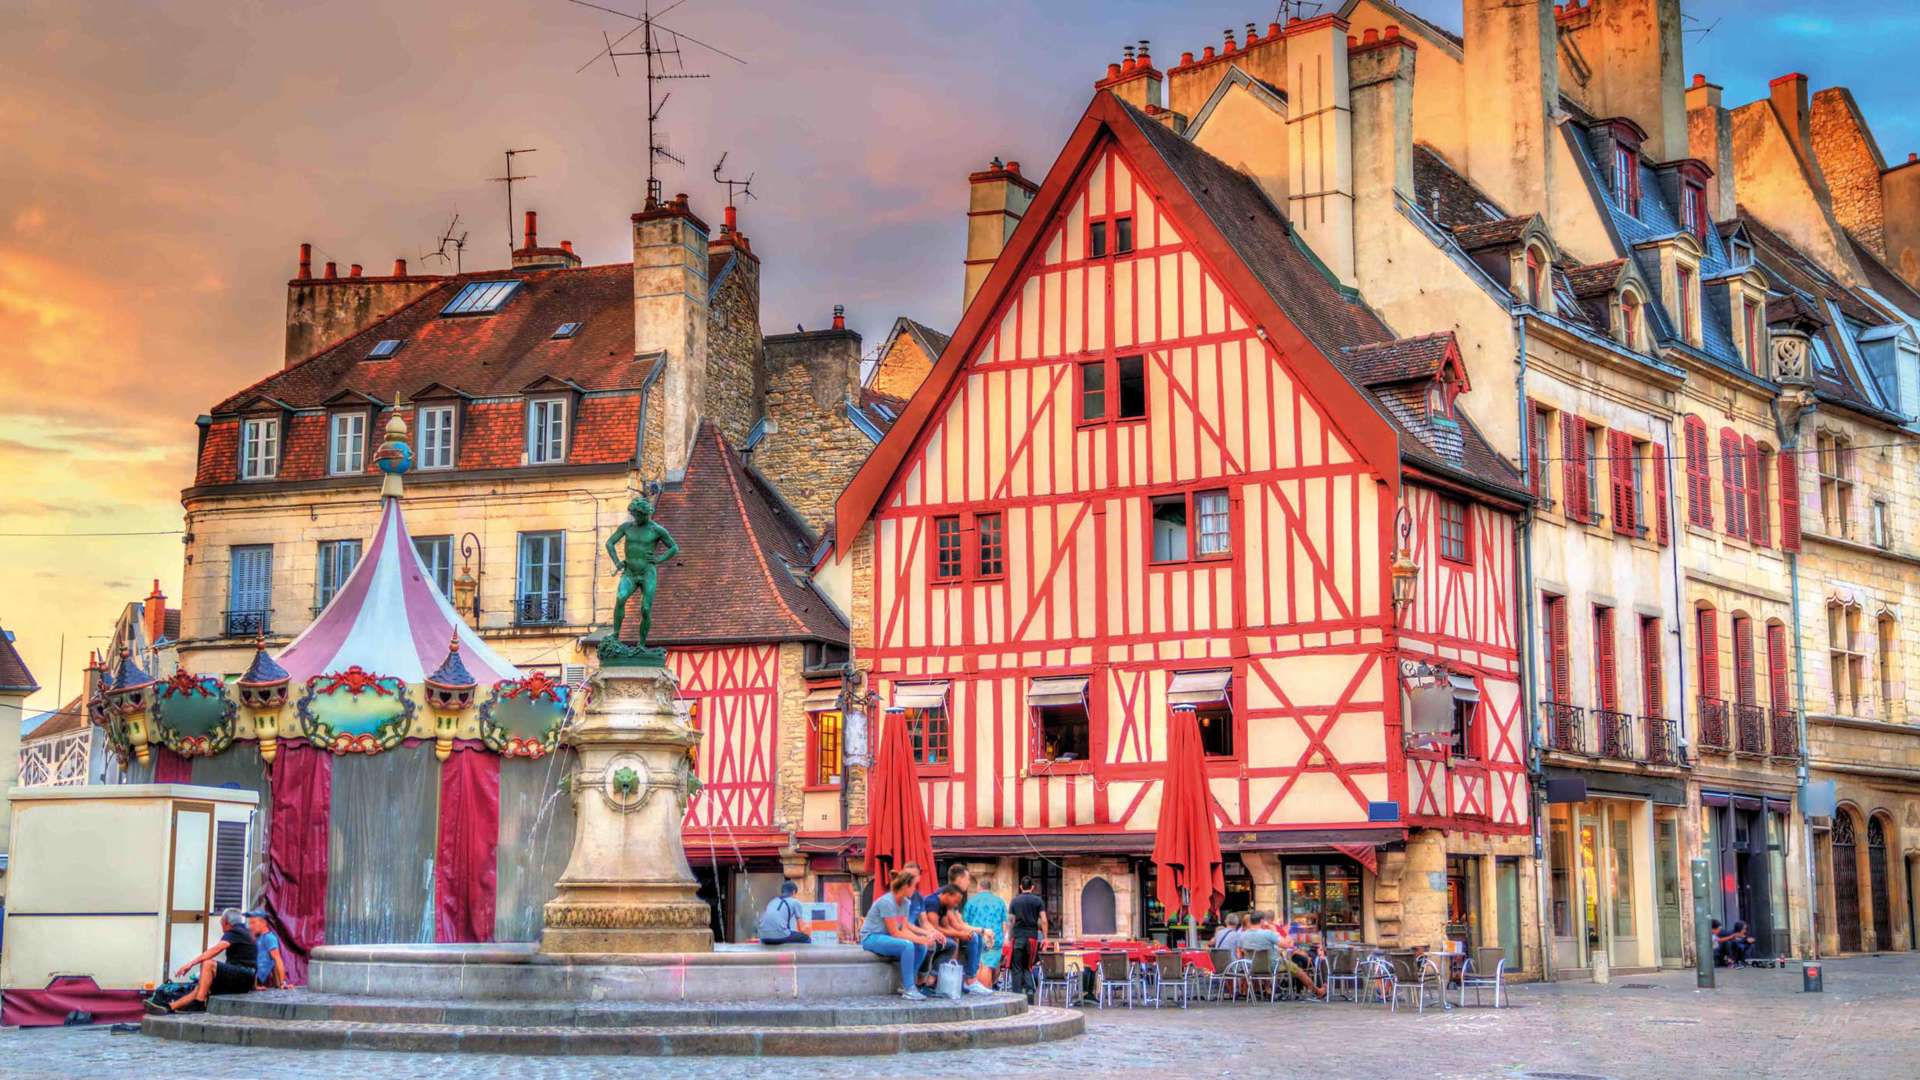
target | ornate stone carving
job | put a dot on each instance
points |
(656, 915)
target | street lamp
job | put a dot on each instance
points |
(1406, 572)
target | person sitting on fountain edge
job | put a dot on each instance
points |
(952, 923)
(227, 967)
(889, 932)
(780, 923)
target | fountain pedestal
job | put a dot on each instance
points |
(627, 887)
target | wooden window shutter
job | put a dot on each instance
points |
(1652, 692)
(1743, 681)
(1699, 476)
(1777, 666)
(1562, 673)
(1604, 669)
(1789, 501)
(1662, 529)
(1573, 486)
(1620, 473)
(1730, 470)
(1756, 495)
(1534, 466)
(1709, 644)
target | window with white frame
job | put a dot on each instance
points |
(260, 448)
(347, 443)
(547, 431)
(1845, 661)
(436, 553)
(1834, 456)
(249, 589)
(1062, 731)
(436, 437)
(541, 588)
(1210, 695)
(337, 560)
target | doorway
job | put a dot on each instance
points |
(1506, 886)
(1877, 876)
(1463, 900)
(1667, 845)
(1846, 883)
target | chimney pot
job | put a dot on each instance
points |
(732, 220)
(566, 246)
(1912, 157)
(1206, 54)
(1013, 167)
(839, 316)
(1186, 58)
(1699, 78)
(1352, 41)
(533, 220)
(306, 260)
(331, 272)
(1392, 33)
(353, 270)
(1228, 48)
(1113, 71)
(1369, 36)
(399, 268)
(1273, 30)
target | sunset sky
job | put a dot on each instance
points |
(163, 161)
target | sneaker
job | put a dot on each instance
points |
(976, 988)
(913, 995)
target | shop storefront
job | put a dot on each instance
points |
(1613, 881)
(1323, 896)
(1239, 898)
(1744, 839)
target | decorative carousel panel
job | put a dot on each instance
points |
(192, 715)
(523, 717)
(356, 711)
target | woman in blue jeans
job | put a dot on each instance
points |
(887, 932)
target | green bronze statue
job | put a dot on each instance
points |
(647, 545)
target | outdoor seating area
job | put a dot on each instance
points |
(1113, 974)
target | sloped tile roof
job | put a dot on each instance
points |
(1806, 288)
(1399, 361)
(67, 718)
(1446, 196)
(743, 558)
(931, 340)
(1502, 233)
(14, 675)
(1593, 279)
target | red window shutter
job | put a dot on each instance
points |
(1743, 682)
(1661, 527)
(1652, 691)
(1730, 470)
(1789, 500)
(1620, 472)
(1709, 645)
(1756, 495)
(1572, 486)
(1777, 666)
(1604, 673)
(1535, 467)
(1699, 476)
(1557, 667)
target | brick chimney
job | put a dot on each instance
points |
(736, 380)
(153, 615)
(670, 316)
(531, 256)
(1320, 141)
(1512, 88)
(1262, 55)
(326, 310)
(1134, 79)
(997, 197)
(1710, 138)
(1380, 85)
(1626, 60)
(1788, 97)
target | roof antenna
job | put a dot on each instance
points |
(745, 187)
(510, 180)
(448, 240)
(1292, 11)
(660, 45)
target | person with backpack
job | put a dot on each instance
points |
(227, 967)
(780, 923)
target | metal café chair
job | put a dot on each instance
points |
(1343, 971)
(1050, 974)
(1170, 977)
(1217, 980)
(1114, 975)
(1486, 968)
(1412, 978)
(1264, 967)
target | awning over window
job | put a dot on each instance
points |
(1463, 688)
(931, 695)
(1199, 687)
(1065, 690)
(824, 699)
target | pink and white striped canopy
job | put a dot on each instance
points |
(390, 619)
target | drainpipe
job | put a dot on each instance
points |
(1680, 609)
(1790, 444)
(1523, 539)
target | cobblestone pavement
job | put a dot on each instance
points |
(1757, 1024)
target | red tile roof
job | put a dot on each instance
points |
(69, 717)
(1486, 234)
(1399, 361)
(14, 675)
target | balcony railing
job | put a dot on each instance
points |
(1713, 725)
(1752, 732)
(1663, 741)
(1563, 723)
(249, 623)
(535, 609)
(1615, 732)
(1786, 733)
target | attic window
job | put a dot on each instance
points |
(1739, 253)
(481, 298)
(565, 330)
(1626, 178)
(387, 347)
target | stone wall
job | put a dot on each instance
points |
(325, 311)
(811, 449)
(734, 378)
(901, 368)
(1851, 162)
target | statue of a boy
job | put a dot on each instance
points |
(647, 546)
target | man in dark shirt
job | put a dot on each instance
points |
(227, 967)
(1029, 929)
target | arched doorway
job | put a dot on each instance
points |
(1846, 883)
(1880, 878)
(1097, 913)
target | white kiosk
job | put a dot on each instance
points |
(111, 887)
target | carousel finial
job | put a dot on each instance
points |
(394, 457)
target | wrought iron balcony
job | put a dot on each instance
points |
(540, 609)
(1663, 741)
(1563, 722)
(1786, 733)
(1615, 732)
(1752, 731)
(1713, 725)
(249, 623)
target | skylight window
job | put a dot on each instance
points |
(387, 347)
(481, 298)
(884, 412)
(566, 330)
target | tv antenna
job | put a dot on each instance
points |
(448, 240)
(742, 188)
(660, 47)
(1292, 11)
(510, 179)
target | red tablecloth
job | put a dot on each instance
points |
(1138, 952)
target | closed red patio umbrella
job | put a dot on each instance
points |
(1186, 845)
(897, 831)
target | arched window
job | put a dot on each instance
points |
(1629, 319)
(1878, 877)
(1097, 913)
(1536, 276)
(1846, 882)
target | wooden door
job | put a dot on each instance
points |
(1846, 884)
(1880, 880)
(189, 882)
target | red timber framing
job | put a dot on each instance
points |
(1296, 610)
(733, 692)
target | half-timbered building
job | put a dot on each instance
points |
(1160, 465)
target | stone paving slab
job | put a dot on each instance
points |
(813, 1012)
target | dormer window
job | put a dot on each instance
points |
(1626, 177)
(347, 444)
(1750, 324)
(1440, 400)
(547, 431)
(1629, 319)
(1693, 209)
(1739, 253)
(1685, 302)
(1536, 276)
(259, 448)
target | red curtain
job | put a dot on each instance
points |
(464, 874)
(296, 901)
(171, 768)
